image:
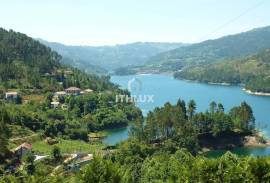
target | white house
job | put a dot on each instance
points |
(60, 94)
(11, 95)
(88, 91)
(55, 104)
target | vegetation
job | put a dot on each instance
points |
(177, 126)
(4, 135)
(135, 162)
(252, 71)
(68, 147)
(35, 73)
(32, 69)
(29, 163)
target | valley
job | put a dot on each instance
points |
(61, 113)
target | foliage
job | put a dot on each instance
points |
(29, 163)
(56, 154)
(4, 133)
(103, 171)
(179, 126)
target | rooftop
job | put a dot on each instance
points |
(73, 89)
(12, 93)
(24, 145)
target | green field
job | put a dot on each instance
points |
(68, 146)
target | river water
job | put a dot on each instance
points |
(164, 89)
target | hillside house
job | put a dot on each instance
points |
(55, 104)
(73, 91)
(60, 94)
(88, 91)
(11, 95)
(22, 149)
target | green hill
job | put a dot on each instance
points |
(253, 72)
(228, 47)
(35, 73)
(27, 64)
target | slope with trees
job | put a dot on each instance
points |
(35, 73)
(253, 72)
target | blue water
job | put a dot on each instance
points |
(167, 89)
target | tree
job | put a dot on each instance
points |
(29, 163)
(56, 154)
(4, 133)
(220, 108)
(102, 171)
(243, 117)
(213, 107)
(191, 108)
(182, 106)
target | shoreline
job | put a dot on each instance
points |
(255, 93)
(250, 141)
(222, 84)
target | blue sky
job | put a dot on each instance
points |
(108, 22)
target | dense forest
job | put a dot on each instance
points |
(252, 71)
(211, 51)
(179, 126)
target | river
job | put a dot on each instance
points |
(167, 89)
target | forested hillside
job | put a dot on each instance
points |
(228, 47)
(111, 57)
(41, 97)
(253, 72)
(27, 64)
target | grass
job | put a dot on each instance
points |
(19, 131)
(100, 134)
(20, 135)
(37, 98)
(68, 146)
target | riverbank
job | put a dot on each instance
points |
(255, 93)
(229, 84)
(231, 140)
(257, 140)
(222, 84)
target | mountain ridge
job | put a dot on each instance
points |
(112, 57)
(230, 46)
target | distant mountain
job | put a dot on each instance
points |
(228, 47)
(111, 57)
(253, 72)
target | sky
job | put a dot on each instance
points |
(110, 22)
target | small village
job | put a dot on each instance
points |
(73, 162)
